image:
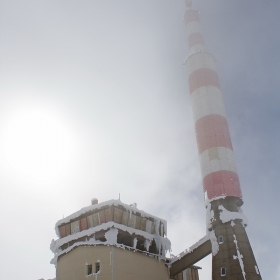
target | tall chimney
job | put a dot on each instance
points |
(232, 255)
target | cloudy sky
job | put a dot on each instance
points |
(94, 102)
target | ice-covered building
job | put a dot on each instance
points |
(113, 240)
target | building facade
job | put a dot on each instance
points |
(113, 240)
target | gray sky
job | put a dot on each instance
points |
(94, 102)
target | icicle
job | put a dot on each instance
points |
(135, 243)
(214, 242)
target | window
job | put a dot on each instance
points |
(221, 239)
(97, 267)
(223, 271)
(89, 269)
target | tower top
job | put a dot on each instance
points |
(188, 3)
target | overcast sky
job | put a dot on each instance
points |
(94, 102)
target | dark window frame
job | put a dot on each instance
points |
(97, 267)
(89, 269)
(223, 271)
(221, 239)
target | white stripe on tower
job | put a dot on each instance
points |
(213, 139)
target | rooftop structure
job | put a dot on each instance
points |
(113, 239)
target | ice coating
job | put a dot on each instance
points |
(190, 249)
(135, 242)
(209, 212)
(130, 208)
(111, 236)
(239, 256)
(147, 244)
(214, 242)
(227, 216)
(93, 242)
(163, 244)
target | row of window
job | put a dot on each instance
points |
(90, 268)
(223, 271)
(111, 214)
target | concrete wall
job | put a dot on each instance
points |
(115, 264)
(188, 274)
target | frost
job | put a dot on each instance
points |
(89, 232)
(93, 242)
(95, 274)
(213, 199)
(209, 214)
(227, 216)
(156, 225)
(257, 270)
(239, 257)
(111, 236)
(214, 242)
(190, 249)
(135, 242)
(163, 243)
(149, 226)
(147, 244)
(130, 208)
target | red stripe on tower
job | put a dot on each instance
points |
(203, 77)
(222, 183)
(212, 133)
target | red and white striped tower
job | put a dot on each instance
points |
(233, 257)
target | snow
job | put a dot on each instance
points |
(89, 232)
(95, 274)
(130, 208)
(163, 244)
(111, 236)
(156, 225)
(149, 226)
(135, 242)
(214, 242)
(209, 212)
(93, 242)
(227, 216)
(257, 270)
(239, 257)
(190, 249)
(147, 244)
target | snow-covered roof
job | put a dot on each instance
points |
(111, 239)
(129, 208)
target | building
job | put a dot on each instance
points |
(112, 240)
